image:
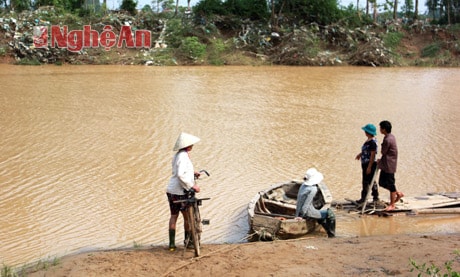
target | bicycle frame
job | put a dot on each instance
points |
(194, 219)
(192, 211)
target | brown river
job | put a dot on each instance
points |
(85, 151)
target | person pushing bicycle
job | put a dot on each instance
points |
(182, 180)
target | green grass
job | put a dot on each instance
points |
(431, 50)
(136, 245)
(27, 61)
(434, 270)
(7, 271)
(392, 40)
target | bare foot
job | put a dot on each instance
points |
(298, 218)
(390, 208)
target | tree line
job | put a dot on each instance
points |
(272, 11)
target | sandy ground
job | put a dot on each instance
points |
(309, 256)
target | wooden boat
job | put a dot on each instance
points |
(272, 211)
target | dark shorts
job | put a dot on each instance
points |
(175, 208)
(387, 180)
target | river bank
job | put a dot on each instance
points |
(309, 256)
(186, 40)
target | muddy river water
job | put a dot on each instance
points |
(85, 151)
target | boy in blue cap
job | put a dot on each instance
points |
(368, 156)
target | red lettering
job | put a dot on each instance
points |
(57, 36)
(91, 37)
(127, 36)
(143, 39)
(108, 38)
(75, 40)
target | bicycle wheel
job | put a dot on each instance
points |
(195, 224)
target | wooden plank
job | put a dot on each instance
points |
(426, 202)
(276, 215)
(439, 211)
(280, 204)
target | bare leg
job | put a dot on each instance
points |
(172, 222)
(399, 195)
(186, 223)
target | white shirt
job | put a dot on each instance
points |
(183, 175)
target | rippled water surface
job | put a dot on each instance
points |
(85, 151)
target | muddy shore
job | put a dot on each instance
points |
(309, 256)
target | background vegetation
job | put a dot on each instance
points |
(319, 11)
(243, 32)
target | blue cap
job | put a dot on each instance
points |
(370, 129)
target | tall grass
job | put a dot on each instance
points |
(392, 40)
(7, 271)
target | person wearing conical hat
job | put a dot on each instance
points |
(368, 158)
(304, 207)
(182, 179)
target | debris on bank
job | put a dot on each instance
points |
(291, 44)
(18, 32)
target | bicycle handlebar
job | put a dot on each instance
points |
(201, 171)
(191, 192)
(205, 172)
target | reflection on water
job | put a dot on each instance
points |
(86, 150)
(397, 223)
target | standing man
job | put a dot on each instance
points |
(387, 164)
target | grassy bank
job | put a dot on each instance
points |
(185, 40)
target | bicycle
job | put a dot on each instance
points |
(194, 218)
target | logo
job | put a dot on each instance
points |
(76, 40)
(40, 36)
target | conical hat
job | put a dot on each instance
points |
(185, 140)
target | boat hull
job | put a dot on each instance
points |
(272, 212)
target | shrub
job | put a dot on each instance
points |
(434, 270)
(353, 18)
(431, 50)
(209, 7)
(215, 51)
(391, 40)
(7, 271)
(192, 48)
(28, 61)
(312, 47)
(129, 6)
(174, 32)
